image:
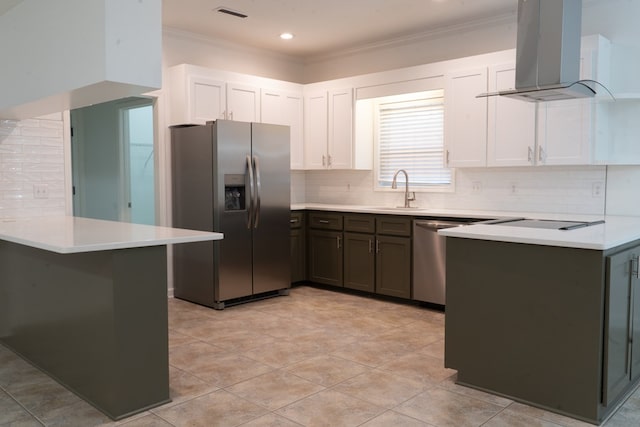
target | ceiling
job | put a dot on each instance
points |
(322, 27)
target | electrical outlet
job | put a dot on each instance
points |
(40, 191)
(597, 189)
(476, 186)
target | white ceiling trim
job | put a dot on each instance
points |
(432, 34)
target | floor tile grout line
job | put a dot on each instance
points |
(15, 399)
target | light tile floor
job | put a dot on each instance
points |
(314, 358)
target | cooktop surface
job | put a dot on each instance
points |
(547, 223)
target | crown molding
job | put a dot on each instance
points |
(228, 45)
(433, 34)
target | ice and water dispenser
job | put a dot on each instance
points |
(234, 192)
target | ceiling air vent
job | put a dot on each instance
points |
(231, 12)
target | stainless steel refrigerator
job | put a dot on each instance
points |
(231, 177)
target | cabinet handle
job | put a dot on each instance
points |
(370, 246)
(377, 246)
(323, 221)
(223, 115)
(231, 115)
(635, 267)
(447, 157)
(293, 221)
(541, 155)
(529, 154)
(324, 163)
(329, 160)
(338, 241)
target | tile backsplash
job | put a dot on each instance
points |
(32, 169)
(573, 190)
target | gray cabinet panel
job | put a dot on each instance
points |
(325, 257)
(359, 261)
(393, 266)
(622, 325)
(362, 223)
(298, 247)
(617, 328)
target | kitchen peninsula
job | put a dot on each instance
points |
(550, 318)
(86, 301)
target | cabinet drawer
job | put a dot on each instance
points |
(393, 225)
(360, 223)
(325, 221)
(297, 219)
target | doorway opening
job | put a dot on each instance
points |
(113, 164)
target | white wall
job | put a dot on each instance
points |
(456, 42)
(32, 153)
(185, 48)
(534, 189)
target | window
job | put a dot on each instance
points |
(409, 136)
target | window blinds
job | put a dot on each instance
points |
(410, 137)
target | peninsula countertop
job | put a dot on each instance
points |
(616, 231)
(68, 234)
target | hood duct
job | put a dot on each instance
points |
(548, 52)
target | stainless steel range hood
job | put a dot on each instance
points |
(548, 52)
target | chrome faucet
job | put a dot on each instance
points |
(394, 184)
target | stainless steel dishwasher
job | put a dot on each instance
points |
(429, 250)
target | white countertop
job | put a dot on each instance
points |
(616, 231)
(67, 234)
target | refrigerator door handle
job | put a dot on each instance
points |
(251, 192)
(256, 215)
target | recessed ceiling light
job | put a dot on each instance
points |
(286, 36)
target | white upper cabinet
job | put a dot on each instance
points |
(340, 141)
(328, 129)
(286, 108)
(198, 95)
(205, 100)
(315, 131)
(465, 118)
(569, 132)
(511, 139)
(243, 103)
(195, 98)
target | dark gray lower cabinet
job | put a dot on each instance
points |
(393, 266)
(622, 324)
(325, 257)
(359, 261)
(298, 248)
(556, 327)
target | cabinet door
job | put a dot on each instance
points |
(635, 310)
(564, 132)
(393, 266)
(618, 324)
(285, 108)
(340, 141)
(512, 123)
(325, 257)
(465, 119)
(359, 261)
(243, 103)
(315, 131)
(566, 128)
(298, 262)
(206, 100)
